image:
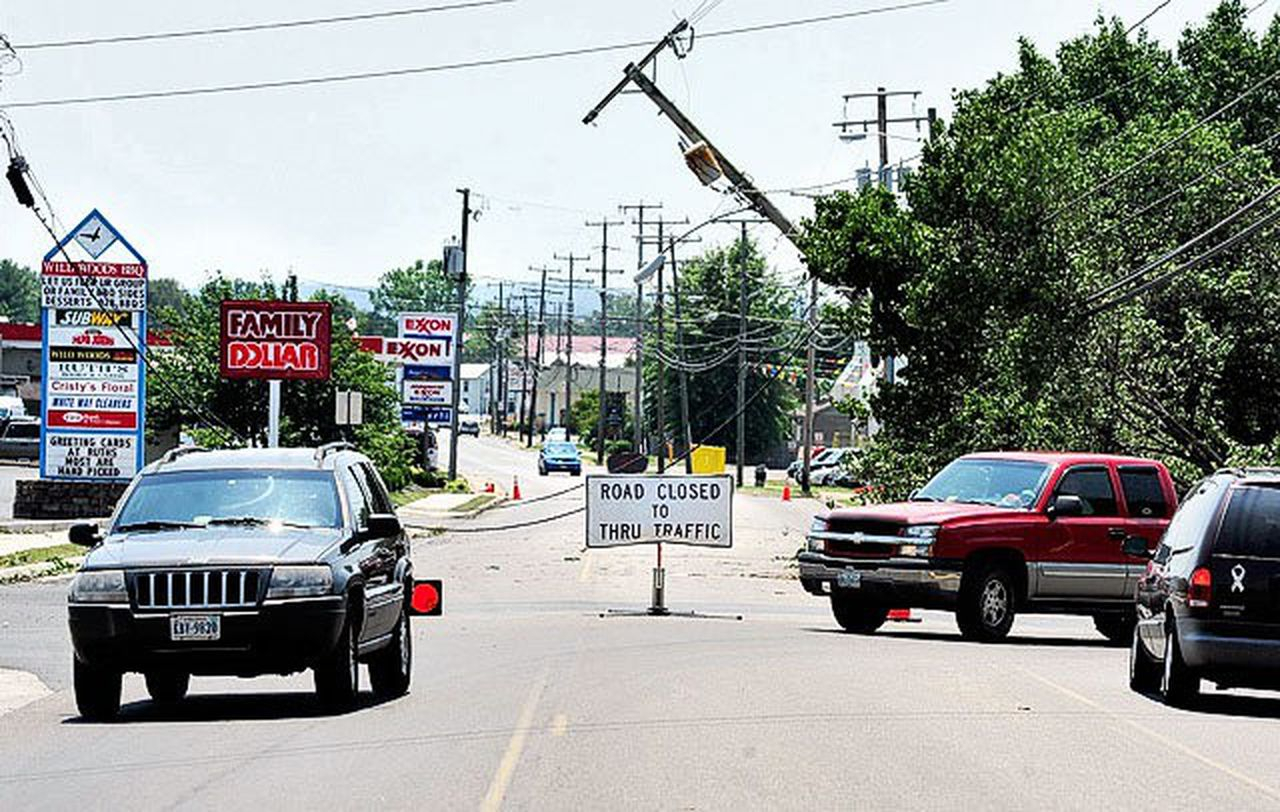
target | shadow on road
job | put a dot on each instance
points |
(905, 634)
(232, 707)
(1220, 704)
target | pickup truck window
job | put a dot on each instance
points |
(1143, 492)
(1012, 484)
(1093, 485)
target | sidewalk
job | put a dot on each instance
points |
(439, 506)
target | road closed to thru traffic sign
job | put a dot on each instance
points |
(630, 509)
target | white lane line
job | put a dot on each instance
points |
(507, 766)
(18, 688)
(559, 725)
(1172, 744)
(585, 571)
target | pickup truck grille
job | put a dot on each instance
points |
(869, 527)
(197, 589)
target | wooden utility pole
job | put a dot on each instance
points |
(568, 352)
(604, 327)
(537, 359)
(638, 426)
(659, 312)
(687, 428)
(457, 348)
(808, 387)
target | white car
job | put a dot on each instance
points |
(823, 471)
(469, 424)
(557, 434)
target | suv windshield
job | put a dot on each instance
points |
(1002, 483)
(1251, 524)
(296, 498)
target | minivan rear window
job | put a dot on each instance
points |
(1251, 525)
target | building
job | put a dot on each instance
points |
(475, 396)
(582, 378)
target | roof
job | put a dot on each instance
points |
(1062, 457)
(471, 371)
(200, 460)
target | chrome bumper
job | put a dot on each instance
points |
(905, 576)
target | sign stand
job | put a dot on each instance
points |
(273, 413)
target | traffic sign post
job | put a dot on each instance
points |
(626, 509)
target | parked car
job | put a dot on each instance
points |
(834, 466)
(428, 447)
(241, 563)
(559, 457)
(20, 439)
(815, 459)
(469, 424)
(1207, 604)
(993, 535)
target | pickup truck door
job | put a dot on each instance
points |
(1083, 558)
(1148, 504)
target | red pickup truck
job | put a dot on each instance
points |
(996, 534)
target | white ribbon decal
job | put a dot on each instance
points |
(1237, 578)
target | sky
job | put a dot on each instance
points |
(342, 182)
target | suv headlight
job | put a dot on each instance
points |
(919, 539)
(98, 586)
(818, 525)
(300, 582)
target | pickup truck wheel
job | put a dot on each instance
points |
(857, 616)
(97, 692)
(986, 608)
(167, 687)
(1179, 685)
(337, 675)
(391, 668)
(1116, 627)
(1144, 672)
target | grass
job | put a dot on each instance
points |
(40, 555)
(474, 503)
(412, 493)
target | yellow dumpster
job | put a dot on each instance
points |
(708, 459)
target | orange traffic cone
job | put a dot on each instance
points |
(515, 489)
(786, 493)
(902, 616)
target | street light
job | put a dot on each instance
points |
(652, 268)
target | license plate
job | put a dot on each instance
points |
(195, 627)
(849, 579)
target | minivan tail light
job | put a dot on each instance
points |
(1200, 590)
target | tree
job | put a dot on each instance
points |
(584, 418)
(1050, 184)
(710, 294)
(416, 288)
(19, 292)
(164, 294)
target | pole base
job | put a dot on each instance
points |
(654, 611)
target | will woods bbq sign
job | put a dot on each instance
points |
(283, 340)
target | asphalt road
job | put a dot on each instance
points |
(524, 697)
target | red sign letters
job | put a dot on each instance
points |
(284, 340)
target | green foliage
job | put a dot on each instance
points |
(164, 295)
(1050, 184)
(710, 296)
(418, 287)
(19, 292)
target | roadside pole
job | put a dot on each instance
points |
(638, 406)
(568, 347)
(537, 358)
(686, 430)
(808, 387)
(273, 413)
(604, 329)
(457, 336)
(661, 421)
(742, 351)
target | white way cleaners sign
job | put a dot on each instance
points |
(644, 509)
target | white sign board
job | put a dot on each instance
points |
(91, 456)
(428, 393)
(625, 509)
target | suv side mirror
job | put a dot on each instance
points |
(383, 525)
(1065, 505)
(1136, 546)
(84, 535)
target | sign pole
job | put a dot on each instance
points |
(273, 413)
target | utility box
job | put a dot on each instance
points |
(708, 459)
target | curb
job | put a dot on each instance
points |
(32, 526)
(474, 512)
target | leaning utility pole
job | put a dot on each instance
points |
(537, 360)
(568, 352)
(604, 327)
(457, 348)
(638, 432)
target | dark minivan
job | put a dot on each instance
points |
(1209, 603)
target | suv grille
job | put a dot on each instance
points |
(197, 589)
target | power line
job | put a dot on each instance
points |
(450, 66)
(242, 29)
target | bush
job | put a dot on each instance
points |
(392, 452)
(615, 446)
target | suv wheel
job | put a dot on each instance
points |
(855, 615)
(1144, 672)
(1116, 627)
(167, 686)
(337, 676)
(391, 668)
(1179, 685)
(97, 692)
(986, 607)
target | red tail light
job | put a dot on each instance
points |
(1200, 591)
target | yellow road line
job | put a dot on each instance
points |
(559, 725)
(585, 571)
(511, 757)
(1172, 744)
